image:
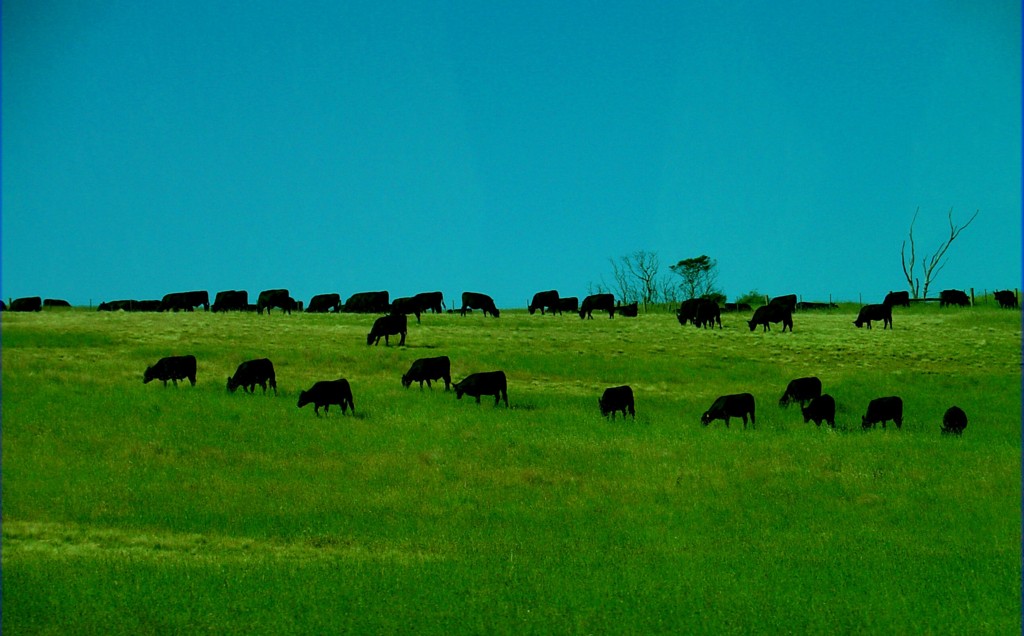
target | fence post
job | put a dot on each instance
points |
(972, 296)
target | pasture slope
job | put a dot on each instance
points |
(135, 509)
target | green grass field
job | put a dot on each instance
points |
(138, 509)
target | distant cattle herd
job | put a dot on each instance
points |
(701, 312)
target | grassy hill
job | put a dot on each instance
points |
(131, 508)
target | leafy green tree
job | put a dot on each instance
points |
(699, 276)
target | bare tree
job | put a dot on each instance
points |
(933, 264)
(699, 275)
(643, 268)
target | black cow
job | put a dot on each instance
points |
(954, 421)
(322, 303)
(115, 305)
(897, 299)
(434, 301)
(486, 383)
(687, 311)
(882, 410)
(145, 305)
(736, 307)
(949, 297)
(376, 302)
(544, 301)
(280, 298)
(253, 372)
(483, 302)
(30, 303)
(172, 368)
(55, 302)
(405, 306)
(632, 310)
(185, 301)
(771, 313)
(788, 301)
(597, 302)
(821, 408)
(801, 390)
(328, 392)
(617, 398)
(427, 369)
(3, 306)
(570, 304)
(810, 305)
(1007, 299)
(231, 300)
(726, 406)
(708, 313)
(389, 325)
(876, 313)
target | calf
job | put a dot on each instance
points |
(253, 372)
(726, 406)
(897, 299)
(427, 369)
(801, 390)
(1007, 299)
(882, 410)
(486, 383)
(328, 392)
(868, 313)
(708, 314)
(172, 368)
(821, 408)
(544, 301)
(954, 421)
(617, 398)
(483, 302)
(950, 297)
(594, 302)
(772, 313)
(390, 325)
(628, 311)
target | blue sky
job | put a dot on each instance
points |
(502, 147)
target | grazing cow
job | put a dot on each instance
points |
(617, 398)
(434, 301)
(30, 303)
(726, 406)
(876, 313)
(328, 392)
(406, 306)
(145, 305)
(280, 298)
(376, 302)
(821, 408)
(771, 313)
(597, 302)
(172, 368)
(483, 302)
(708, 314)
(570, 304)
(1007, 299)
(322, 303)
(789, 301)
(897, 299)
(882, 410)
(389, 325)
(544, 301)
(954, 421)
(687, 311)
(632, 310)
(949, 297)
(486, 383)
(253, 372)
(427, 369)
(185, 301)
(231, 300)
(116, 305)
(55, 302)
(801, 390)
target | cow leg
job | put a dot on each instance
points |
(504, 394)
(478, 399)
(401, 343)
(316, 409)
(447, 382)
(175, 381)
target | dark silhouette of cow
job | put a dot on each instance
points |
(1007, 299)
(428, 369)
(485, 383)
(374, 302)
(146, 305)
(597, 302)
(617, 398)
(280, 298)
(389, 325)
(954, 421)
(736, 307)
(231, 300)
(687, 311)
(821, 408)
(570, 304)
(801, 390)
(3, 306)
(897, 299)
(882, 410)
(805, 305)
(483, 302)
(772, 313)
(253, 372)
(951, 297)
(172, 368)
(405, 306)
(869, 313)
(29, 303)
(434, 301)
(55, 303)
(708, 313)
(788, 301)
(323, 303)
(545, 301)
(328, 392)
(632, 310)
(727, 406)
(185, 301)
